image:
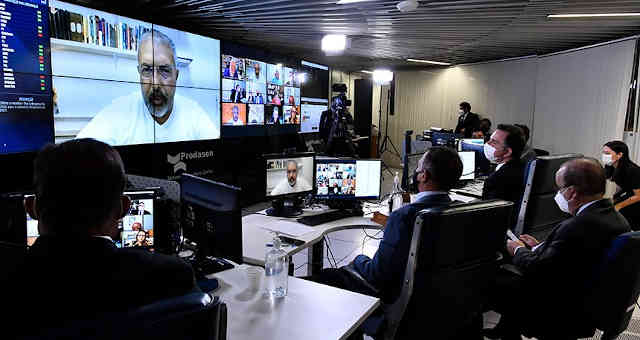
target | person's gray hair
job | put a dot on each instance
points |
(292, 161)
(156, 35)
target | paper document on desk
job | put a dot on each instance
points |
(287, 228)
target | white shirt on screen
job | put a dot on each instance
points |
(234, 123)
(128, 121)
(283, 188)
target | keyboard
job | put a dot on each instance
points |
(209, 265)
(472, 189)
(327, 217)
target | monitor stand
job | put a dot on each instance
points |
(286, 207)
(353, 206)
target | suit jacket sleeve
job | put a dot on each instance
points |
(388, 259)
(177, 275)
(474, 121)
(551, 255)
(495, 188)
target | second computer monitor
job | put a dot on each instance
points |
(348, 178)
(468, 165)
(212, 217)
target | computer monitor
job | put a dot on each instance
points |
(212, 217)
(470, 142)
(289, 175)
(340, 178)
(483, 166)
(468, 165)
(288, 178)
(443, 139)
(137, 226)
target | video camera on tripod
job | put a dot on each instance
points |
(336, 125)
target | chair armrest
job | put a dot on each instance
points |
(357, 277)
(511, 268)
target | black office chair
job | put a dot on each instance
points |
(453, 258)
(195, 316)
(540, 152)
(610, 297)
(616, 287)
(539, 212)
(12, 257)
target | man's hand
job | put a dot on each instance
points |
(512, 245)
(529, 240)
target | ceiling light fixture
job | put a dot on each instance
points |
(302, 77)
(344, 2)
(367, 72)
(601, 15)
(334, 43)
(407, 6)
(428, 62)
(382, 77)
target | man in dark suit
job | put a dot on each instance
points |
(467, 121)
(557, 271)
(437, 172)
(74, 271)
(507, 182)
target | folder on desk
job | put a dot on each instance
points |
(288, 228)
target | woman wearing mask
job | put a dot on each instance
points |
(626, 174)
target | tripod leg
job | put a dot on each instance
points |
(397, 153)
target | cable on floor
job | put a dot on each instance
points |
(328, 244)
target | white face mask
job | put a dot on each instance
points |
(607, 159)
(562, 202)
(490, 153)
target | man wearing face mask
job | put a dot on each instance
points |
(507, 182)
(467, 121)
(557, 268)
(438, 171)
(155, 113)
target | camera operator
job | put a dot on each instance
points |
(336, 125)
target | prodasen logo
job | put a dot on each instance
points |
(178, 161)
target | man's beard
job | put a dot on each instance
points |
(292, 183)
(157, 111)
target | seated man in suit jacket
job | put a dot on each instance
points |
(74, 270)
(556, 271)
(507, 182)
(467, 121)
(437, 172)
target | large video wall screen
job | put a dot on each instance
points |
(72, 72)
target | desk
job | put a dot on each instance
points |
(254, 237)
(309, 311)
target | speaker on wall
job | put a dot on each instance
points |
(363, 98)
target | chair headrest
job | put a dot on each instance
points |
(622, 244)
(543, 170)
(478, 228)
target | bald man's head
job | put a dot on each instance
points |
(586, 175)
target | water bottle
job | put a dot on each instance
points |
(396, 201)
(276, 270)
(396, 184)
